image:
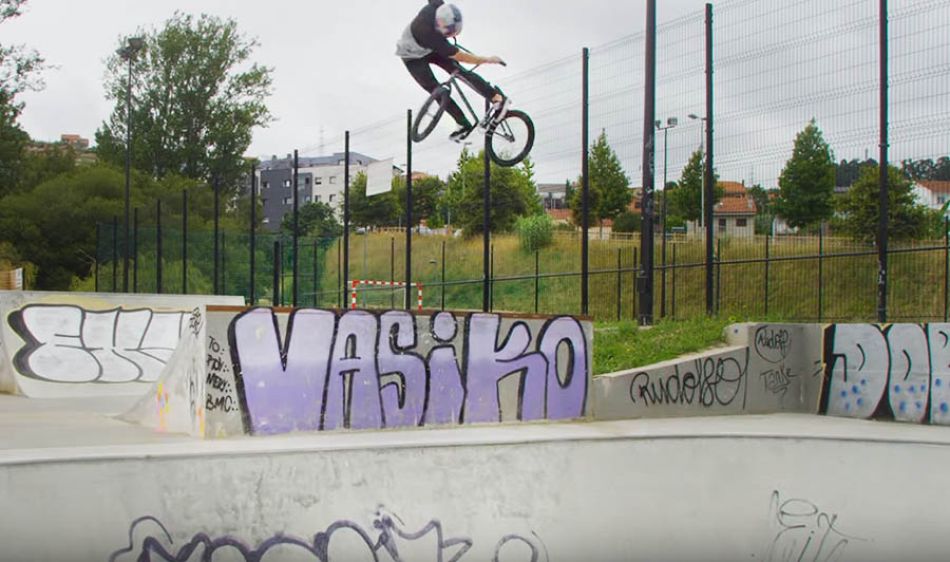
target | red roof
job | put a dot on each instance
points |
(735, 200)
(560, 214)
(935, 186)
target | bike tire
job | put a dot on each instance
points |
(420, 129)
(513, 116)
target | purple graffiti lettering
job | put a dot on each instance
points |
(282, 387)
(404, 399)
(566, 396)
(446, 393)
(487, 365)
(353, 398)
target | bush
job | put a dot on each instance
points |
(535, 232)
(627, 222)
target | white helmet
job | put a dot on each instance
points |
(448, 20)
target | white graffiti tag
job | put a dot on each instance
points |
(68, 344)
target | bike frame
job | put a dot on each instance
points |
(503, 129)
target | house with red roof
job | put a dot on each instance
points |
(933, 194)
(734, 215)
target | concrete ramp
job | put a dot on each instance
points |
(61, 345)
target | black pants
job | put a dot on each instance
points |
(422, 72)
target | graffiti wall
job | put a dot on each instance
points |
(268, 372)
(768, 368)
(899, 372)
(359, 370)
(74, 344)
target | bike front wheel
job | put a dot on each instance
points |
(429, 114)
(512, 139)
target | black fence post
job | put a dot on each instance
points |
(115, 252)
(184, 242)
(217, 226)
(95, 262)
(491, 285)
(443, 275)
(392, 272)
(585, 181)
(882, 236)
(486, 228)
(649, 176)
(277, 273)
(719, 276)
(409, 204)
(345, 258)
(224, 263)
(316, 271)
(821, 271)
(636, 270)
(619, 283)
(135, 250)
(768, 263)
(253, 235)
(296, 234)
(341, 291)
(710, 178)
(537, 280)
(159, 257)
(673, 288)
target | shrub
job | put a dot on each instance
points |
(535, 232)
(627, 222)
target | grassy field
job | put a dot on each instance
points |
(797, 284)
(805, 279)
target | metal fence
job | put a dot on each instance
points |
(807, 278)
(776, 67)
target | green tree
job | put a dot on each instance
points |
(316, 219)
(426, 193)
(53, 225)
(197, 99)
(19, 71)
(807, 183)
(378, 210)
(609, 185)
(513, 195)
(861, 208)
(686, 199)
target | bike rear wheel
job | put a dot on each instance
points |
(512, 139)
(429, 114)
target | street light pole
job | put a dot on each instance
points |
(670, 123)
(127, 53)
(702, 153)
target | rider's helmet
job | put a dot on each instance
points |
(448, 20)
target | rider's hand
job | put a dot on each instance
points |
(494, 60)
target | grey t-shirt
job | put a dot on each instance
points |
(421, 38)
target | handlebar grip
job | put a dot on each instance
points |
(503, 63)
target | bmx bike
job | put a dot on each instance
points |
(508, 141)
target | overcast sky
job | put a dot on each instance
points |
(778, 65)
(333, 62)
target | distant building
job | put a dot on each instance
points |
(734, 214)
(78, 144)
(932, 194)
(553, 195)
(319, 179)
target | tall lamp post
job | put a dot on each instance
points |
(702, 152)
(670, 123)
(132, 47)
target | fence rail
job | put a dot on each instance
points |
(794, 278)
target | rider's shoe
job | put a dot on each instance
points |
(498, 111)
(461, 133)
(501, 108)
